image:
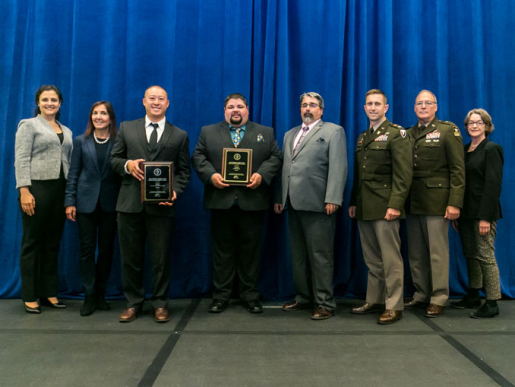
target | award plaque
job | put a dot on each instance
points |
(236, 166)
(157, 183)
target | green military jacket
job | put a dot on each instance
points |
(382, 172)
(438, 168)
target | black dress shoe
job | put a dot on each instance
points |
(46, 302)
(89, 305)
(254, 306)
(218, 306)
(28, 309)
(486, 311)
(101, 303)
(466, 302)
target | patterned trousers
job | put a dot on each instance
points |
(480, 253)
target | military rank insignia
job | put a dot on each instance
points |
(381, 138)
(457, 132)
(260, 138)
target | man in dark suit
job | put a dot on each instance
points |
(311, 188)
(148, 139)
(382, 177)
(237, 212)
(435, 198)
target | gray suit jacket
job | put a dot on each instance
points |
(266, 160)
(131, 144)
(318, 172)
(38, 153)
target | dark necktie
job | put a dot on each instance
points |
(152, 143)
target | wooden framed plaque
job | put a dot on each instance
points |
(157, 183)
(236, 166)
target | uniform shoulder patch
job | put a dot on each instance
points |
(403, 133)
(456, 132)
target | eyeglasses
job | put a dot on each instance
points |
(427, 103)
(312, 105)
(478, 123)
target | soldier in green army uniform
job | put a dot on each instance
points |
(382, 178)
(436, 197)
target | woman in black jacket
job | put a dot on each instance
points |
(481, 210)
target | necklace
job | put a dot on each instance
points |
(98, 141)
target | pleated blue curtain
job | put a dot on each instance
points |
(271, 51)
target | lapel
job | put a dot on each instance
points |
(89, 144)
(167, 133)
(142, 137)
(428, 129)
(308, 137)
(225, 135)
(249, 136)
(368, 138)
(477, 151)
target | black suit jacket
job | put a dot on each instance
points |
(483, 178)
(88, 183)
(207, 160)
(131, 144)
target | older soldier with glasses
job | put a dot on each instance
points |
(435, 198)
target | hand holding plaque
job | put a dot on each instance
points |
(236, 166)
(157, 183)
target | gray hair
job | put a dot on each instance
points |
(312, 94)
(427, 91)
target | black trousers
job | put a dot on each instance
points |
(134, 230)
(236, 243)
(40, 241)
(101, 226)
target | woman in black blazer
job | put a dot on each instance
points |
(91, 194)
(41, 161)
(481, 210)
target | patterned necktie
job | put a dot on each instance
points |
(153, 138)
(237, 138)
(304, 132)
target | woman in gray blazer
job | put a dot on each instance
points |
(477, 224)
(91, 193)
(41, 160)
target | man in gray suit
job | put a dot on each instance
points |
(311, 188)
(148, 139)
(237, 212)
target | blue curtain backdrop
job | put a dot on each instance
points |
(271, 51)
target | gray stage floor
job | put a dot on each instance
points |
(235, 348)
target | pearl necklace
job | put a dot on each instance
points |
(98, 141)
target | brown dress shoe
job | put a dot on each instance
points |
(294, 305)
(128, 315)
(413, 304)
(367, 308)
(434, 310)
(389, 317)
(322, 313)
(161, 315)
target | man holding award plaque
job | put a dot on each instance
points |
(146, 153)
(312, 183)
(236, 160)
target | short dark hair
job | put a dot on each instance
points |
(110, 111)
(48, 88)
(235, 96)
(485, 117)
(376, 91)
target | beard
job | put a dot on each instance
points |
(308, 118)
(235, 119)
